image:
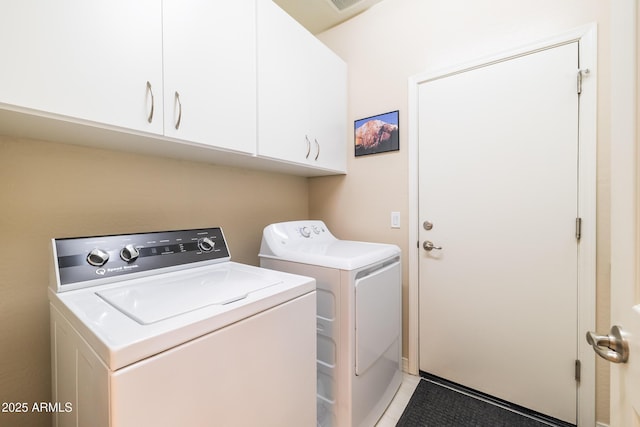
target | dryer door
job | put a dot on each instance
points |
(377, 313)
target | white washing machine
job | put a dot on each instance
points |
(162, 329)
(358, 317)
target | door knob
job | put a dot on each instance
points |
(429, 246)
(613, 347)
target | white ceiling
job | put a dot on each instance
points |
(319, 15)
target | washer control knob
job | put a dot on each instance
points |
(316, 229)
(206, 244)
(129, 253)
(305, 231)
(97, 257)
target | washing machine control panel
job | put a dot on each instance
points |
(91, 260)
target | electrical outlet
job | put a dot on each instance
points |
(395, 219)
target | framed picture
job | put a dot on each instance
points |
(377, 134)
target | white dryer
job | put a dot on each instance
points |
(162, 329)
(358, 317)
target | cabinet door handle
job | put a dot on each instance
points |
(150, 91)
(308, 147)
(179, 110)
(318, 147)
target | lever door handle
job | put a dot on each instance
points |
(613, 347)
(429, 246)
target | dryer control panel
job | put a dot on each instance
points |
(299, 231)
(311, 242)
(88, 261)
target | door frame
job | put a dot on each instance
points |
(625, 182)
(587, 181)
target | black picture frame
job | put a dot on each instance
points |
(377, 134)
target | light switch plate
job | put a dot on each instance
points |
(395, 219)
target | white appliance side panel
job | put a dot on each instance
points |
(259, 371)
(80, 379)
(377, 314)
(334, 402)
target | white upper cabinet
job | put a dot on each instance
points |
(210, 72)
(301, 94)
(328, 82)
(228, 82)
(99, 61)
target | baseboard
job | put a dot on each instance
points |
(405, 368)
(601, 425)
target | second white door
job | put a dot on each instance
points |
(498, 181)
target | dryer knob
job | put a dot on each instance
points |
(129, 253)
(98, 257)
(305, 231)
(206, 244)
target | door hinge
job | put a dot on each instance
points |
(577, 370)
(578, 228)
(581, 73)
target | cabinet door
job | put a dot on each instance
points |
(86, 59)
(328, 87)
(283, 90)
(210, 72)
(301, 94)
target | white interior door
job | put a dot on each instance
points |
(498, 177)
(625, 287)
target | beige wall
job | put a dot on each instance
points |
(54, 190)
(400, 38)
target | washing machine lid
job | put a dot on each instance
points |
(310, 242)
(153, 301)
